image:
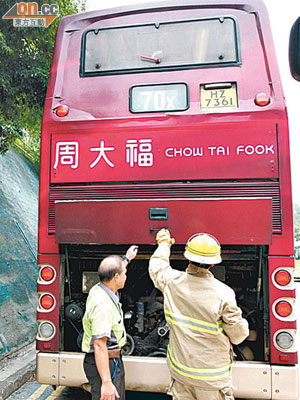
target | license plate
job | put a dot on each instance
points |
(216, 96)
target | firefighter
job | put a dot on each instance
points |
(203, 317)
(104, 331)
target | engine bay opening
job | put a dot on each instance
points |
(244, 269)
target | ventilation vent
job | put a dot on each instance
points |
(203, 190)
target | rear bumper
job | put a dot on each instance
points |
(250, 379)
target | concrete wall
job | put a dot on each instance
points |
(18, 249)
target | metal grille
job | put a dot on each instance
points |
(203, 190)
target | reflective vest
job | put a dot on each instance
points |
(103, 318)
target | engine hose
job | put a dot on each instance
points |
(157, 354)
(128, 349)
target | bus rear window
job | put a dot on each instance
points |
(167, 45)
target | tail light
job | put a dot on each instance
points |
(283, 308)
(46, 302)
(46, 330)
(47, 274)
(282, 277)
(62, 110)
(262, 99)
(283, 349)
(284, 340)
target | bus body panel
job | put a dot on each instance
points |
(209, 151)
(200, 214)
(207, 165)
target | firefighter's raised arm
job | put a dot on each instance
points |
(159, 267)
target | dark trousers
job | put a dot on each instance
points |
(93, 376)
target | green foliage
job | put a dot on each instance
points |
(25, 60)
(297, 269)
(296, 213)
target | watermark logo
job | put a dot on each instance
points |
(28, 15)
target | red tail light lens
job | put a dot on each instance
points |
(262, 99)
(282, 277)
(283, 309)
(47, 301)
(62, 110)
(47, 274)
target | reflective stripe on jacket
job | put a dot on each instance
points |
(193, 323)
(204, 320)
(208, 374)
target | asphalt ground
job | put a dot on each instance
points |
(34, 391)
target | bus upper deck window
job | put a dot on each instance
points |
(165, 45)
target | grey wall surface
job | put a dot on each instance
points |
(18, 250)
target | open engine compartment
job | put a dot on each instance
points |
(244, 268)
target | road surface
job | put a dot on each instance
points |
(34, 391)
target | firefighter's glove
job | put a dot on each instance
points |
(164, 236)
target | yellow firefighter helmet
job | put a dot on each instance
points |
(203, 248)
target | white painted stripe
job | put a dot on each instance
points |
(56, 393)
(36, 395)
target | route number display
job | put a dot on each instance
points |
(154, 98)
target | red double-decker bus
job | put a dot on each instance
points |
(167, 115)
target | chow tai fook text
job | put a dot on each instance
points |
(141, 153)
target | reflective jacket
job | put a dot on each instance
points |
(204, 320)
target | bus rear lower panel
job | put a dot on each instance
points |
(244, 268)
